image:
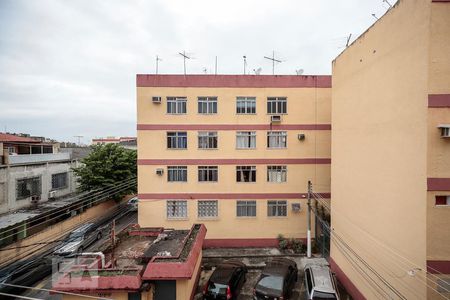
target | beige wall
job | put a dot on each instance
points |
(186, 286)
(379, 119)
(304, 106)
(115, 296)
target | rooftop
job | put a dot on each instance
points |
(11, 138)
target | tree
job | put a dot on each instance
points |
(107, 166)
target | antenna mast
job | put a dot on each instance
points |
(184, 60)
(348, 40)
(79, 138)
(273, 61)
(158, 59)
(245, 62)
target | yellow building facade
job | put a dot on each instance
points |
(391, 156)
(234, 152)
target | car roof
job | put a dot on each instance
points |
(278, 266)
(321, 276)
(84, 227)
(223, 272)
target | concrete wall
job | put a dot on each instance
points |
(306, 105)
(187, 287)
(379, 153)
(10, 174)
(111, 295)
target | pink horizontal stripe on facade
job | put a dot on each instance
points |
(233, 127)
(438, 266)
(234, 81)
(256, 161)
(232, 196)
(439, 100)
(438, 184)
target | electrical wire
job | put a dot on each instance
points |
(19, 296)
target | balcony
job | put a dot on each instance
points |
(37, 158)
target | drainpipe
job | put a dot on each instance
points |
(308, 251)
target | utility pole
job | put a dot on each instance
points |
(215, 68)
(273, 61)
(158, 59)
(308, 251)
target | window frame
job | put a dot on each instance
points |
(440, 199)
(277, 103)
(201, 203)
(246, 107)
(249, 139)
(240, 174)
(279, 136)
(53, 179)
(176, 140)
(210, 170)
(212, 138)
(178, 103)
(35, 187)
(184, 209)
(278, 205)
(282, 170)
(208, 103)
(180, 172)
(249, 206)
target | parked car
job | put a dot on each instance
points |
(226, 281)
(277, 280)
(133, 203)
(79, 240)
(320, 283)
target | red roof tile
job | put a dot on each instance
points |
(4, 137)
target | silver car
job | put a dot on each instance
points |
(79, 240)
(320, 282)
(133, 203)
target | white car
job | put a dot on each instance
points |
(79, 240)
(320, 283)
(133, 203)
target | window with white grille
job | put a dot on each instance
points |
(246, 139)
(207, 105)
(176, 173)
(59, 181)
(276, 173)
(176, 105)
(176, 209)
(246, 105)
(276, 105)
(277, 208)
(28, 187)
(246, 208)
(177, 140)
(207, 173)
(246, 173)
(207, 140)
(277, 139)
(207, 209)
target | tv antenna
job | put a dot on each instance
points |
(257, 71)
(215, 67)
(273, 59)
(390, 5)
(205, 70)
(348, 40)
(245, 62)
(373, 15)
(79, 138)
(158, 59)
(299, 71)
(185, 56)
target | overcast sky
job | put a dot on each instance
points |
(68, 67)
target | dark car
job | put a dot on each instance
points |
(277, 280)
(226, 281)
(79, 240)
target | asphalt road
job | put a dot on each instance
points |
(46, 282)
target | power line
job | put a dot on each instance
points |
(20, 297)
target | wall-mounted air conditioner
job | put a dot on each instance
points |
(35, 199)
(156, 99)
(275, 118)
(159, 171)
(301, 136)
(445, 130)
(51, 194)
(296, 207)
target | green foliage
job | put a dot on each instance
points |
(297, 246)
(105, 166)
(283, 244)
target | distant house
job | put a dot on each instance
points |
(114, 140)
(31, 171)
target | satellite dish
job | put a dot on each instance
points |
(299, 71)
(257, 71)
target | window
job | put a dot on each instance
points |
(246, 105)
(176, 173)
(177, 140)
(246, 208)
(207, 105)
(246, 139)
(207, 209)
(134, 296)
(246, 174)
(28, 187)
(176, 105)
(11, 150)
(207, 173)
(276, 173)
(276, 105)
(442, 200)
(276, 139)
(59, 181)
(277, 208)
(207, 140)
(177, 209)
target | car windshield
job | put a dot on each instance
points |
(217, 288)
(323, 296)
(271, 282)
(75, 236)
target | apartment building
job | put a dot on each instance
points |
(234, 152)
(391, 156)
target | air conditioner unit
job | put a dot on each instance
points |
(35, 199)
(156, 100)
(296, 207)
(52, 194)
(301, 136)
(445, 130)
(159, 171)
(275, 119)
